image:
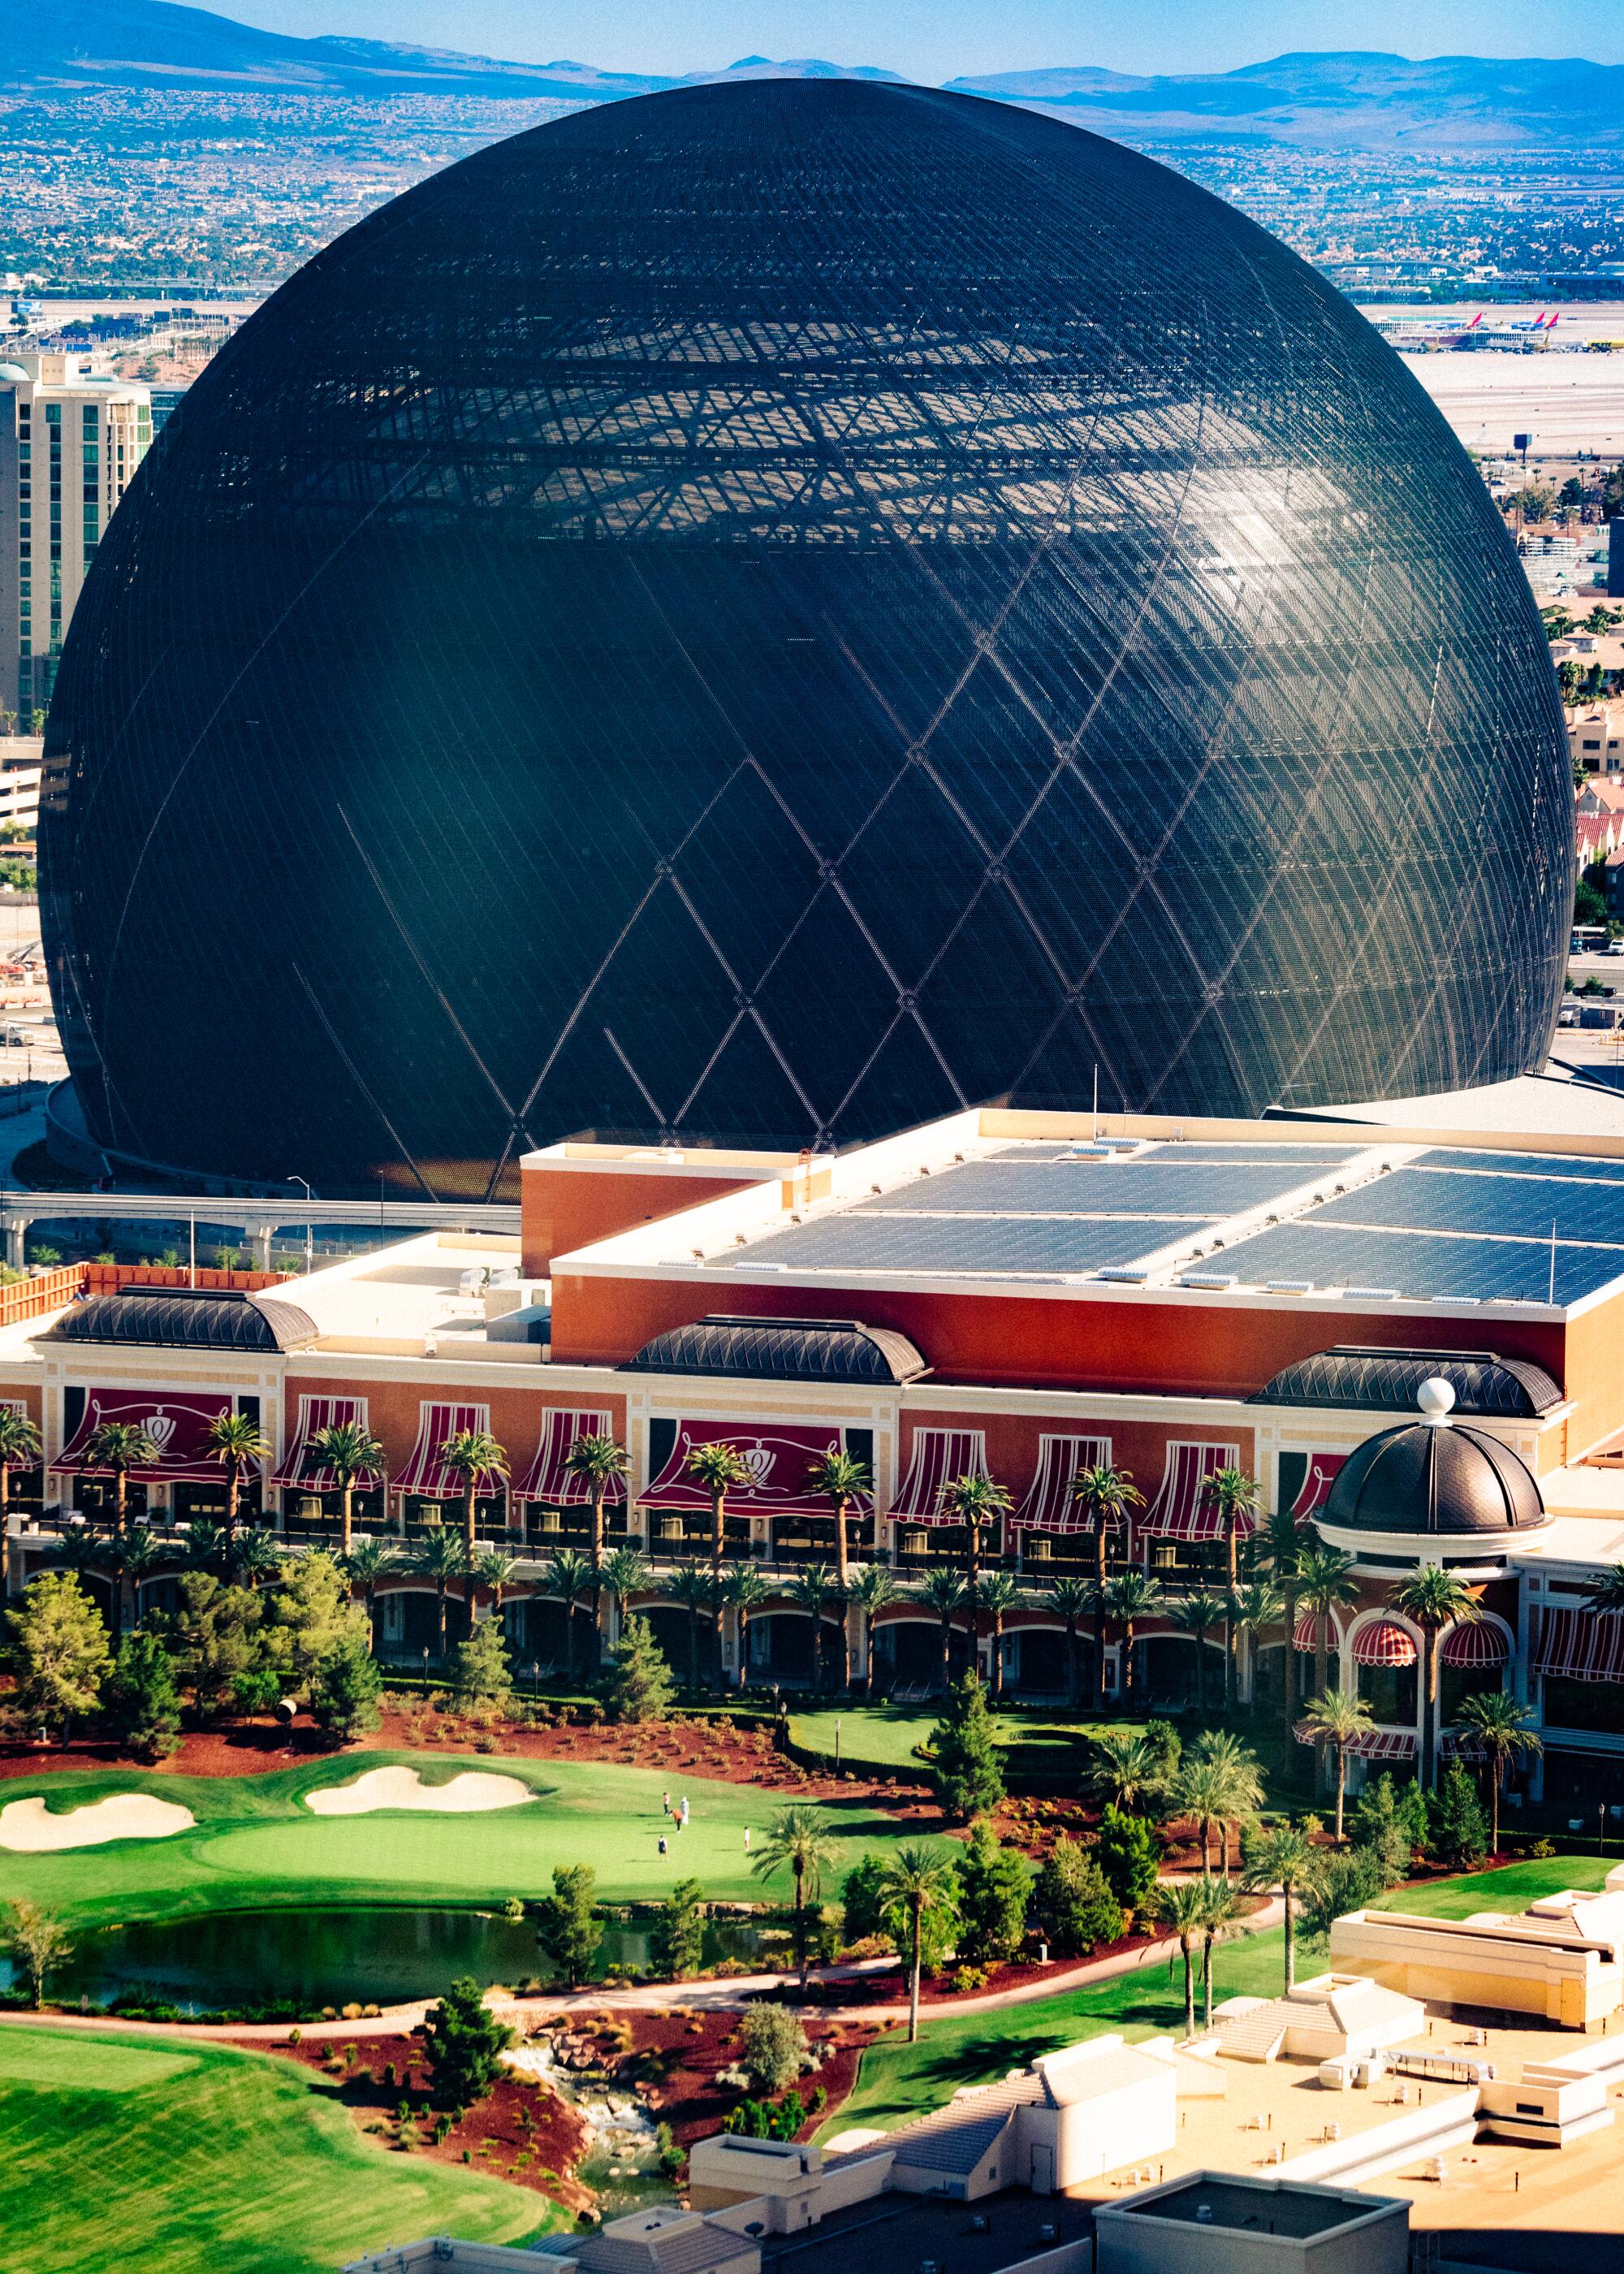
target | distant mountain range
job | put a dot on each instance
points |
(1352, 101)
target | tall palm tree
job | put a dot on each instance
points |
(569, 1578)
(942, 1592)
(799, 1839)
(138, 1557)
(238, 1443)
(972, 1502)
(254, 1556)
(1325, 1585)
(744, 1590)
(598, 1460)
(873, 1587)
(1197, 1614)
(816, 1591)
(118, 1446)
(1202, 1794)
(348, 1449)
(1283, 1542)
(1219, 1916)
(719, 1467)
(915, 1880)
(1498, 1727)
(469, 1455)
(1241, 1782)
(998, 1594)
(1108, 1495)
(1124, 1770)
(495, 1572)
(441, 1556)
(1336, 1718)
(1281, 1855)
(1255, 1605)
(20, 1448)
(695, 1589)
(625, 1573)
(841, 1478)
(1130, 1597)
(369, 1562)
(1434, 1598)
(1181, 1906)
(1071, 1598)
(1236, 1497)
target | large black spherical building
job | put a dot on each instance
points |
(770, 612)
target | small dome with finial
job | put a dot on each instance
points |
(1433, 1478)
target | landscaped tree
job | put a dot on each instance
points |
(238, 1443)
(1107, 1496)
(134, 1557)
(255, 1556)
(495, 1571)
(1347, 1879)
(1181, 1905)
(999, 1594)
(798, 1843)
(1129, 1859)
(212, 1633)
(690, 1584)
(1500, 1729)
(873, 1587)
(915, 1880)
(1392, 1820)
(1196, 1615)
(744, 1590)
(1070, 1598)
(368, 1562)
(1255, 1607)
(441, 1556)
(1458, 1835)
(1202, 1795)
(206, 1547)
(1336, 1719)
(772, 2047)
(1283, 1542)
(1125, 1770)
(20, 1448)
(344, 1690)
(995, 1883)
(472, 1455)
(310, 1615)
(625, 1574)
(1237, 1499)
(37, 1942)
(1220, 1917)
(598, 1460)
(569, 1578)
(841, 1478)
(567, 1927)
(1605, 1592)
(972, 1503)
(141, 1700)
(677, 1938)
(1129, 1597)
(640, 1686)
(1279, 1855)
(1325, 1585)
(964, 1768)
(942, 1592)
(480, 1672)
(58, 1653)
(814, 1591)
(1434, 1598)
(114, 1447)
(1072, 1906)
(463, 2046)
(1239, 1787)
(348, 1450)
(718, 1467)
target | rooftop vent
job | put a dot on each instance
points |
(1289, 1287)
(1124, 1274)
(1216, 1279)
(1371, 1294)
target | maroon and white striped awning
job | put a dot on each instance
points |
(177, 1428)
(1585, 1646)
(1384, 1643)
(1311, 1626)
(939, 1456)
(1181, 1511)
(1370, 1744)
(427, 1472)
(1316, 1487)
(1048, 1505)
(547, 1479)
(296, 1471)
(1477, 1643)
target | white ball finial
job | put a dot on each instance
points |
(1436, 1398)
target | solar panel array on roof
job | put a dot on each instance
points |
(1525, 1165)
(1522, 1208)
(1092, 1187)
(1419, 1263)
(1009, 1246)
(1260, 1157)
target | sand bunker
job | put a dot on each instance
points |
(399, 1787)
(28, 1828)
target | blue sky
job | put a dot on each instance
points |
(934, 40)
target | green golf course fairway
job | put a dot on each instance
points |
(156, 2158)
(883, 1737)
(256, 1844)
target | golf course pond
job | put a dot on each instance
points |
(345, 1955)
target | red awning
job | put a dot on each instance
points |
(1316, 1485)
(939, 1456)
(1371, 1745)
(426, 1473)
(1585, 1646)
(315, 1415)
(179, 1426)
(1180, 1510)
(1384, 1643)
(1480, 1642)
(1307, 1633)
(1048, 1505)
(548, 1480)
(780, 1460)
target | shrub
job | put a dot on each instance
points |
(772, 2047)
(567, 1928)
(677, 1943)
(463, 2040)
(142, 1704)
(965, 1773)
(640, 1687)
(993, 1884)
(1460, 1835)
(1073, 1904)
(862, 1912)
(1127, 1855)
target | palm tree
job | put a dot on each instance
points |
(1606, 1593)
(470, 1455)
(872, 1588)
(206, 1547)
(1255, 1605)
(1498, 1727)
(1281, 1855)
(1202, 1794)
(495, 1572)
(799, 1839)
(597, 1461)
(814, 1591)
(137, 1556)
(1196, 1615)
(1240, 1782)
(348, 1449)
(238, 1442)
(915, 1881)
(1130, 1597)
(368, 1561)
(1125, 1770)
(119, 1447)
(1182, 1906)
(568, 1576)
(254, 1556)
(841, 1478)
(1336, 1718)
(624, 1574)
(744, 1590)
(1220, 1916)
(718, 1466)
(998, 1594)
(441, 1556)
(942, 1592)
(1236, 1497)
(1070, 1598)
(694, 1588)
(1283, 1543)
(1433, 1599)
(1325, 1585)
(1107, 1496)
(972, 1503)
(20, 1448)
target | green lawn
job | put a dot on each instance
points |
(884, 1737)
(162, 2161)
(255, 1843)
(1512, 1889)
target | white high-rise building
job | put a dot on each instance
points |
(70, 443)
